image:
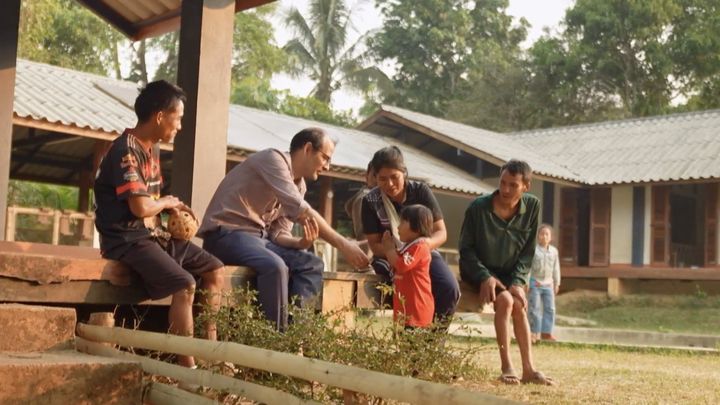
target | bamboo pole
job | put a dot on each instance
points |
(351, 378)
(163, 394)
(245, 389)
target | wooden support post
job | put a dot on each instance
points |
(338, 300)
(56, 227)
(614, 287)
(326, 199)
(10, 226)
(9, 23)
(204, 69)
(86, 181)
(106, 319)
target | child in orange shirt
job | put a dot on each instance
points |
(413, 300)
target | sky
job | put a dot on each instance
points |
(538, 13)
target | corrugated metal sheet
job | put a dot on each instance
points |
(57, 95)
(63, 96)
(255, 130)
(500, 146)
(665, 148)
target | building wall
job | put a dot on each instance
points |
(621, 225)
(453, 208)
(536, 189)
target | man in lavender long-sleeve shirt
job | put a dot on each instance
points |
(250, 218)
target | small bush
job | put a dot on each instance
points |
(371, 345)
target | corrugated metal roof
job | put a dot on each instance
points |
(500, 146)
(71, 98)
(64, 96)
(672, 147)
(255, 130)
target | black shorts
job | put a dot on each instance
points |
(165, 271)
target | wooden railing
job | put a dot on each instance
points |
(93, 340)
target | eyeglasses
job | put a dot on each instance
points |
(325, 157)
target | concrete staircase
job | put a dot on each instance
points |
(38, 363)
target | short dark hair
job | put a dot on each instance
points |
(388, 157)
(316, 137)
(420, 219)
(515, 167)
(157, 96)
(545, 226)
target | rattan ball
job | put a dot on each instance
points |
(182, 225)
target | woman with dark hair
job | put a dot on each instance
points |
(380, 210)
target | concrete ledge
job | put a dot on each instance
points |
(28, 328)
(68, 377)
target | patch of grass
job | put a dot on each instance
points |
(697, 313)
(588, 375)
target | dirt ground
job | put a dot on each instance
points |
(607, 376)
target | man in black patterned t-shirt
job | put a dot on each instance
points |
(128, 205)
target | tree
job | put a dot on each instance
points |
(427, 41)
(63, 33)
(494, 95)
(695, 49)
(623, 50)
(320, 50)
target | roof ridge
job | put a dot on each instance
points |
(615, 123)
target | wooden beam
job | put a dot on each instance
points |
(204, 69)
(9, 24)
(37, 140)
(107, 13)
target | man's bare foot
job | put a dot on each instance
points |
(509, 377)
(537, 377)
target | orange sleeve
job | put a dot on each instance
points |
(410, 258)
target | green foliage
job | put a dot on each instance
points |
(34, 228)
(66, 34)
(370, 345)
(427, 40)
(320, 50)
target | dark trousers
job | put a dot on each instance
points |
(282, 273)
(444, 284)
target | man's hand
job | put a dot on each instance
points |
(170, 202)
(518, 292)
(311, 230)
(557, 288)
(487, 290)
(354, 255)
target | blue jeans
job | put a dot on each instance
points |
(282, 273)
(541, 320)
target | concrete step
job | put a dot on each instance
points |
(31, 328)
(68, 377)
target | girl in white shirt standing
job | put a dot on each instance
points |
(544, 284)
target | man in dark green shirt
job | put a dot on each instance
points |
(497, 244)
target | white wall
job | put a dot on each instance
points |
(536, 189)
(453, 208)
(621, 208)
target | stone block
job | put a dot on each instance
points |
(31, 328)
(68, 377)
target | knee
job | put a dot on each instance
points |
(186, 295)
(503, 304)
(517, 307)
(214, 279)
(317, 265)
